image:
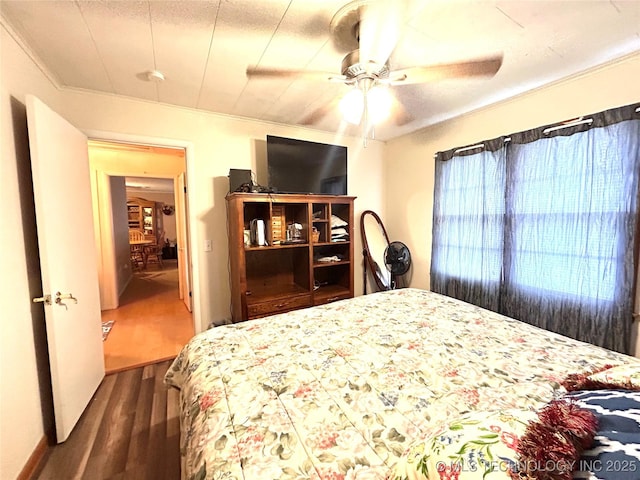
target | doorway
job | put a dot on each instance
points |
(146, 301)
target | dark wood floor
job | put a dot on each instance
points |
(130, 430)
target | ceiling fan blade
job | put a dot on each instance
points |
(483, 67)
(399, 114)
(319, 113)
(379, 30)
(373, 27)
(279, 73)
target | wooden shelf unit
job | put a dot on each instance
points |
(283, 275)
(146, 216)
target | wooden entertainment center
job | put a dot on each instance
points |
(308, 256)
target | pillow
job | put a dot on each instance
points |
(503, 445)
(479, 445)
(615, 453)
(552, 445)
(627, 375)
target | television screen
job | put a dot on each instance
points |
(299, 166)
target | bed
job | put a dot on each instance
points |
(345, 390)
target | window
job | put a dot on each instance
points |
(566, 206)
(471, 217)
(542, 228)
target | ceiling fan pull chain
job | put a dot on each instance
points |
(365, 115)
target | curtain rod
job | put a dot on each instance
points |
(472, 147)
(464, 149)
(567, 125)
(545, 131)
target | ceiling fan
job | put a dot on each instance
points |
(368, 30)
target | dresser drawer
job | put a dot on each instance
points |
(321, 300)
(277, 306)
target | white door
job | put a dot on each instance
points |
(184, 262)
(64, 217)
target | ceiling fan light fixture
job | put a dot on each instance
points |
(379, 104)
(378, 100)
(352, 106)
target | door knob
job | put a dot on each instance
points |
(46, 299)
(65, 296)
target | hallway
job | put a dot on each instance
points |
(152, 323)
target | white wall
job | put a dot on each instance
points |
(21, 423)
(409, 164)
(219, 143)
(120, 223)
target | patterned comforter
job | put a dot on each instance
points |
(341, 390)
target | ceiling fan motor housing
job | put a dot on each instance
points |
(352, 68)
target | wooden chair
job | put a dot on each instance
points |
(138, 260)
(135, 235)
(153, 255)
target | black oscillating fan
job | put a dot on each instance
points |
(397, 258)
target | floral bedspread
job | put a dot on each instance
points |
(341, 390)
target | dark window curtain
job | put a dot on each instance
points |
(570, 200)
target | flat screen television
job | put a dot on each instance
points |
(300, 166)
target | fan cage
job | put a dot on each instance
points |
(397, 258)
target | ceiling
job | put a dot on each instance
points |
(150, 184)
(141, 154)
(204, 48)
